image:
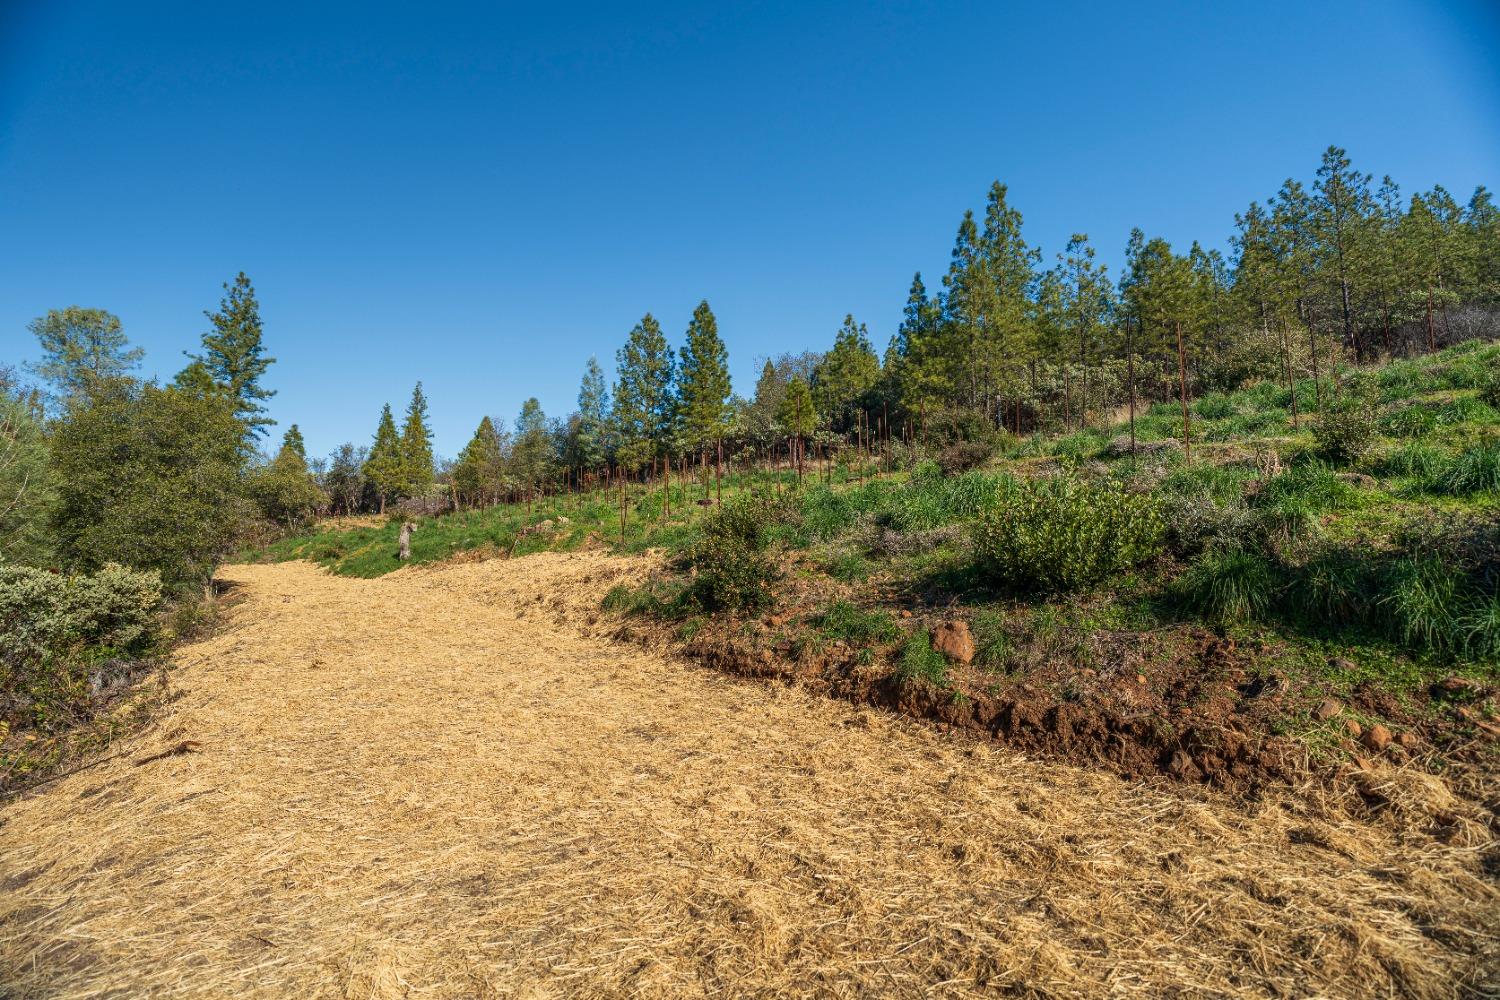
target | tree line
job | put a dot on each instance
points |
(103, 466)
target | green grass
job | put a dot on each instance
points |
(856, 626)
(920, 662)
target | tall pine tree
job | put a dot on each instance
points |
(416, 446)
(234, 356)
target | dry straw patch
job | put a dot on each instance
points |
(423, 786)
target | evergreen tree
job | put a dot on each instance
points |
(477, 474)
(703, 380)
(796, 413)
(82, 348)
(234, 356)
(1342, 213)
(416, 446)
(293, 439)
(591, 433)
(383, 466)
(645, 407)
(845, 377)
(283, 490)
(531, 454)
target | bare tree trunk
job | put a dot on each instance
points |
(405, 541)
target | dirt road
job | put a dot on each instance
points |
(425, 786)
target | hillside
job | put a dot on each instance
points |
(1323, 592)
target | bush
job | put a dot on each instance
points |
(733, 572)
(1196, 523)
(1064, 534)
(1489, 385)
(1214, 406)
(43, 613)
(1232, 586)
(961, 456)
(1345, 429)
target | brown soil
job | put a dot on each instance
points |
(424, 785)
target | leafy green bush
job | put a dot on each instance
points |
(1232, 586)
(45, 613)
(1214, 406)
(1065, 534)
(731, 569)
(1345, 429)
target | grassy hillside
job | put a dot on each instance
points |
(1321, 579)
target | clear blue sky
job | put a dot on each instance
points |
(481, 197)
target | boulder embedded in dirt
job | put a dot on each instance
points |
(953, 640)
(1456, 687)
(1377, 737)
(1353, 728)
(1326, 709)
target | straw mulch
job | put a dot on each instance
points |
(424, 786)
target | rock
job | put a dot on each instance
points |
(1342, 664)
(905, 613)
(1363, 764)
(1326, 709)
(1377, 737)
(1455, 687)
(1352, 728)
(1182, 767)
(1408, 740)
(1140, 678)
(953, 640)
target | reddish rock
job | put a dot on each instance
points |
(953, 640)
(1352, 728)
(1326, 709)
(1377, 737)
(1408, 740)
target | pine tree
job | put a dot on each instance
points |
(845, 377)
(645, 407)
(235, 357)
(81, 349)
(1342, 211)
(383, 466)
(292, 439)
(591, 435)
(531, 452)
(703, 380)
(416, 446)
(476, 475)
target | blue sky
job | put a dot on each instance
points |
(481, 197)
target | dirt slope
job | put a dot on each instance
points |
(423, 786)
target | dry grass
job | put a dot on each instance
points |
(422, 786)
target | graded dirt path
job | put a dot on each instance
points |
(425, 786)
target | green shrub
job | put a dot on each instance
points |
(731, 575)
(1195, 524)
(1233, 586)
(1065, 534)
(1345, 429)
(1489, 385)
(43, 613)
(1416, 420)
(920, 662)
(858, 627)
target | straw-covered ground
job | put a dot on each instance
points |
(428, 784)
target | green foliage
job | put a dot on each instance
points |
(1474, 470)
(56, 631)
(920, 662)
(82, 349)
(1214, 406)
(149, 478)
(416, 446)
(856, 626)
(478, 474)
(1064, 534)
(284, 492)
(846, 375)
(1230, 586)
(25, 483)
(731, 569)
(1289, 504)
(234, 357)
(645, 408)
(704, 379)
(383, 466)
(1345, 429)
